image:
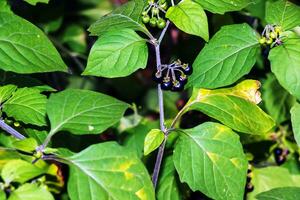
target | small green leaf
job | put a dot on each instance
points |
(117, 54)
(286, 193)
(19, 171)
(222, 6)
(295, 115)
(210, 159)
(277, 100)
(108, 171)
(231, 109)
(189, 17)
(285, 61)
(226, 58)
(27, 105)
(34, 2)
(283, 13)
(27, 145)
(31, 192)
(83, 111)
(25, 48)
(153, 140)
(38, 135)
(6, 92)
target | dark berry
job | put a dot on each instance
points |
(182, 79)
(248, 179)
(187, 70)
(157, 77)
(166, 85)
(280, 159)
(278, 151)
(178, 86)
(249, 187)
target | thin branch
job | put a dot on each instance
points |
(158, 162)
(11, 130)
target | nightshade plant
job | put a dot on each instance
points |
(244, 146)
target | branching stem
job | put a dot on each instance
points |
(11, 130)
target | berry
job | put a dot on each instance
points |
(278, 151)
(187, 69)
(166, 85)
(155, 11)
(146, 19)
(177, 86)
(161, 23)
(273, 35)
(280, 159)
(249, 187)
(269, 41)
(153, 21)
(262, 40)
(164, 6)
(16, 124)
(182, 79)
(144, 13)
(157, 77)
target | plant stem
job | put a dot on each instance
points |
(161, 110)
(11, 130)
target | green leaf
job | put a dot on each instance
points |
(232, 110)
(2, 195)
(31, 192)
(283, 13)
(286, 193)
(108, 171)
(267, 178)
(38, 135)
(27, 145)
(25, 49)
(285, 61)
(228, 56)
(6, 92)
(83, 111)
(5, 7)
(189, 17)
(27, 105)
(19, 171)
(210, 159)
(75, 37)
(295, 115)
(168, 186)
(34, 2)
(127, 16)
(7, 155)
(277, 100)
(222, 6)
(153, 140)
(117, 54)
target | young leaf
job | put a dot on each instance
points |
(295, 115)
(25, 48)
(27, 105)
(277, 100)
(222, 6)
(285, 61)
(6, 91)
(117, 54)
(83, 111)
(108, 171)
(231, 109)
(228, 56)
(286, 193)
(30, 192)
(168, 186)
(210, 159)
(283, 13)
(189, 17)
(152, 141)
(19, 171)
(34, 2)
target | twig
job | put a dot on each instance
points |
(11, 130)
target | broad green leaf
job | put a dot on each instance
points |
(108, 171)
(83, 111)
(127, 16)
(222, 6)
(7, 155)
(153, 140)
(4, 7)
(19, 171)
(168, 186)
(295, 115)
(265, 179)
(31, 192)
(117, 54)
(283, 13)
(25, 49)
(286, 193)
(6, 91)
(285, 61)
(34, 2)
(232, 110)
(210, 159)
(38, 135)
(277, 100)
(27, 145)
(27, 105)
(257, 9)
(189, 17)
(228, 56)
